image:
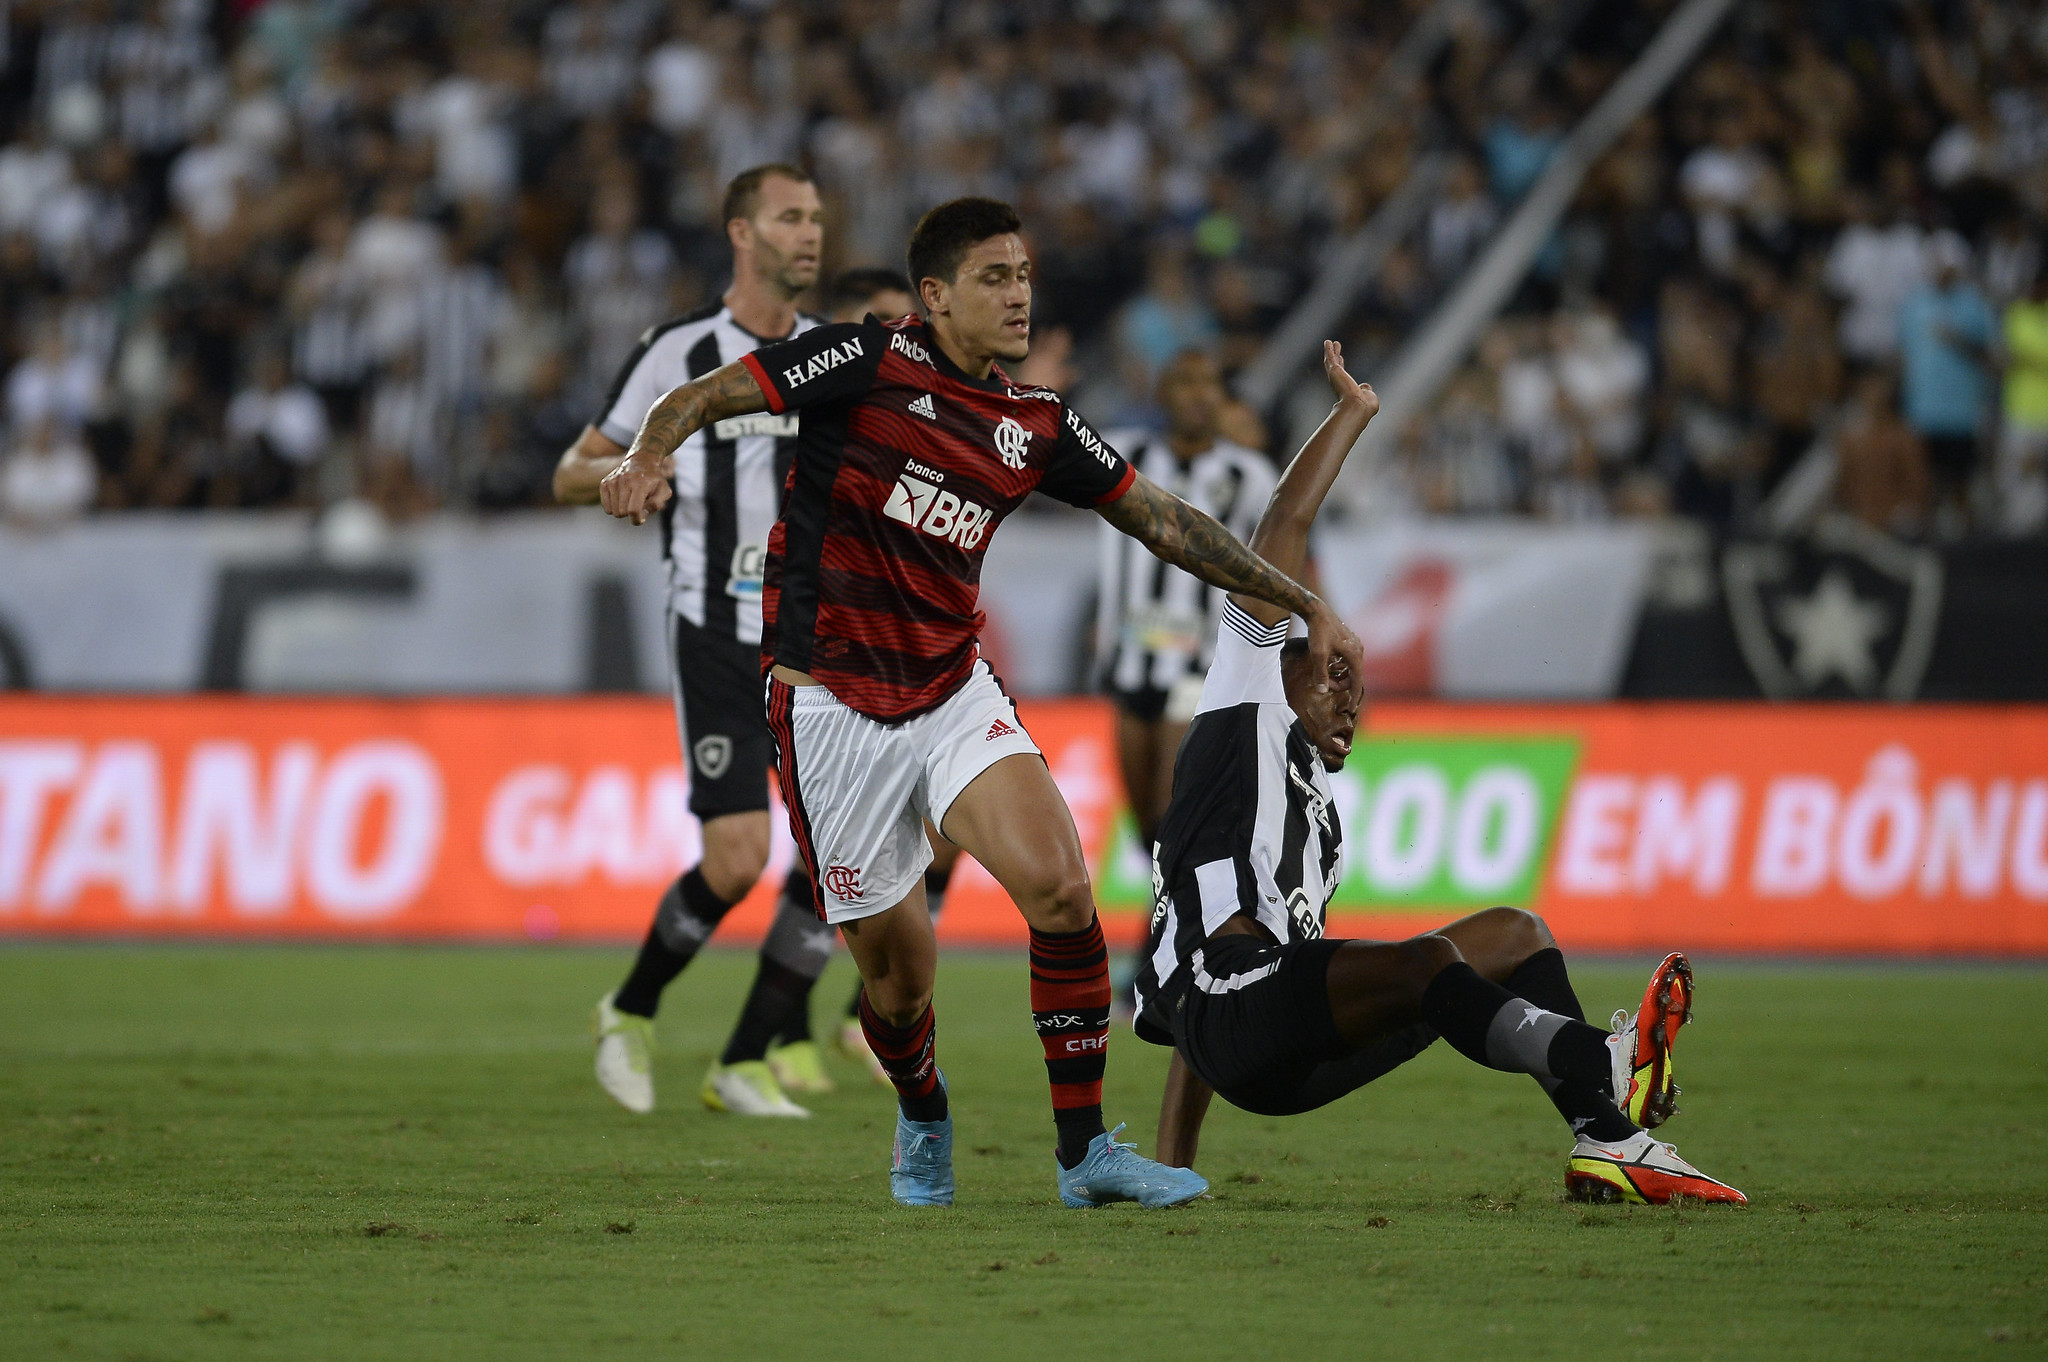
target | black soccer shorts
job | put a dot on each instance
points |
(721, 718)
(1254, 1023)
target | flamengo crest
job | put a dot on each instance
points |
(1012, 442)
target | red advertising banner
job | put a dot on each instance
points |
(1919, 830)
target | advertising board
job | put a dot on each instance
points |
(1856, 829)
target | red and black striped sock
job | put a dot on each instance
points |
(907, 1054)
(1070, 1009)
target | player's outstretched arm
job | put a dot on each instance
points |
(583, 466)
(1282, 534)
(1181, 1109)
(639, 486)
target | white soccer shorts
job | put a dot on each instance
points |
(858, 790)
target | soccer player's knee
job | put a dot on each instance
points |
(1427, 956)
(1067, 904)
(735, 854)
(897, 1001)
(1523, 931)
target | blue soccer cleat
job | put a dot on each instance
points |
(1115, 1172)
(921, 1165)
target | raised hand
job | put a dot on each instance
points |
(1348, 389)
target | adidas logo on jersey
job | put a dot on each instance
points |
(923, 407)
(999, 729)
(923, 506)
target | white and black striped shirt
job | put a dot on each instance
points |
(729, 476)
(1251, 827)
(1156, 623)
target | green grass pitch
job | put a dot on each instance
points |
(347, 1153)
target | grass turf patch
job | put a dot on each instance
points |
(357, 1153)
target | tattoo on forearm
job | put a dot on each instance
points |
(1191, 540)
(682, 412)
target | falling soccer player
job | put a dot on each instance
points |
(1259, 1006)
(914, 445)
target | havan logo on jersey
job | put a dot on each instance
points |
(925, 506)
(824, 361)
(1090, 441)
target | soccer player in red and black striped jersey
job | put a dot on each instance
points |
(914, 444)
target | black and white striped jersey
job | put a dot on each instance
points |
(1251, 827)
(729, 476)
(1156, 623)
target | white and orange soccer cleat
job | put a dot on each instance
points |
(1641, 1169)
(1641, 1045)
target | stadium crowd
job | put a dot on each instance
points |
(283, 252)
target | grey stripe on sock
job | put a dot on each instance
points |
(798, 941)
(1518, 1039)
(682, 931)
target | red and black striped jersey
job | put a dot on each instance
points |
(904, 466)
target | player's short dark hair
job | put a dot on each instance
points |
(855, 286)
(943, 236)
(743, 195)
(1293, 649)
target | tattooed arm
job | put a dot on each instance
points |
(1196, 543)
(639, 486)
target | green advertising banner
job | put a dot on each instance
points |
(1429, 822)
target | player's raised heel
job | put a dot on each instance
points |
(921, 1162)
(1641, 1169)
(1642, 1044)
(1115, 1172)
(625, 1056)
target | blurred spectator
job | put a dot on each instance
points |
(1604, 378)
(1728, 183)
(57, 385)
(2021, 475)
(1520, 144)
(683, 73)
(31, 171)
(48, 476)
(1945, 333)
(1460, 220)
(1876, 261)
(1880, 466)
(1168, 317)
(275, 428)
(1794, 371)
(619, 279)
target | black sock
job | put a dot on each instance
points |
(1491, 1026)
(778, 990)
(1543, 981)
(1076, 1128)
(798, 895)
(688, 913)
(1587, 1104)
(796, 1020)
